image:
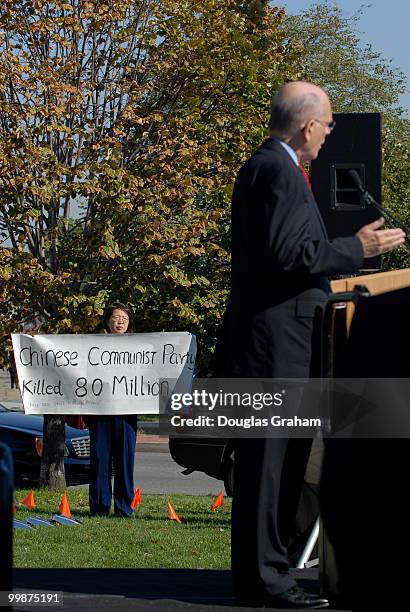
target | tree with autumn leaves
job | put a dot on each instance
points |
(122, 124)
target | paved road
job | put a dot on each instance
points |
(142, 589)
(157, 472)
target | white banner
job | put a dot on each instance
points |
(101, 373)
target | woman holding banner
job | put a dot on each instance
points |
(113, 439)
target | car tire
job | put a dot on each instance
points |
(228, 474)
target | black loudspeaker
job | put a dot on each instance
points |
(355, 144)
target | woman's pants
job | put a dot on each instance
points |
(112, 441)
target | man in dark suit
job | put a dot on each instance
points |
(281, 260)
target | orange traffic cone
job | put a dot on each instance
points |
(28, 501)
(136, 500)
(64, 508)
(218, 501)
(172, 514)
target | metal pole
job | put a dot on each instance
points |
(310, 544)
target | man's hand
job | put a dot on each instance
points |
(376, 241)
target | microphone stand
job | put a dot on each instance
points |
(369, 199)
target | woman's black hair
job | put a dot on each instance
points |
(110, 309)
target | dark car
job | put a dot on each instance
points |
(214, 456)
(23, 433)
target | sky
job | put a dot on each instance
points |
(384, 24)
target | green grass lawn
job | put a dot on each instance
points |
(148, 418)
(148, 539)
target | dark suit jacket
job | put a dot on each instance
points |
(281, 258)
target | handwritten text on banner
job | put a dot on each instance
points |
(101, 373)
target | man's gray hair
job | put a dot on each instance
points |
(288, 111)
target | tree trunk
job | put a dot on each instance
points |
(52, 473)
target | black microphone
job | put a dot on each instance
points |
(369, 199)
(354, 175)
(356, 180)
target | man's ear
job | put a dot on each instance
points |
(307, 130)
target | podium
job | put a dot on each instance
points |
(377, 284)
(365, 510)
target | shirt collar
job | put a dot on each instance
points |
(287, 148)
